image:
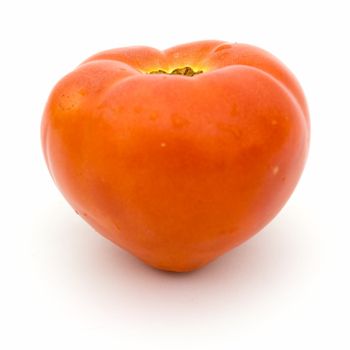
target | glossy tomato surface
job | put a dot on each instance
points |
(177, 169)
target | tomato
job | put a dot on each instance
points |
(179, 155)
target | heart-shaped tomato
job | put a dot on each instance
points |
(177, 155)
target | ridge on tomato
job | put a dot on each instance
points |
(179, 155)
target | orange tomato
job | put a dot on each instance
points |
(179, 155)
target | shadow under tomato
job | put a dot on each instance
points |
(110, 280)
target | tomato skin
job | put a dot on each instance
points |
(177, 170)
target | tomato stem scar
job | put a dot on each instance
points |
(187, 71)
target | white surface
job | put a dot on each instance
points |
(65, 287)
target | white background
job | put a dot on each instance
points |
(65, 287)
